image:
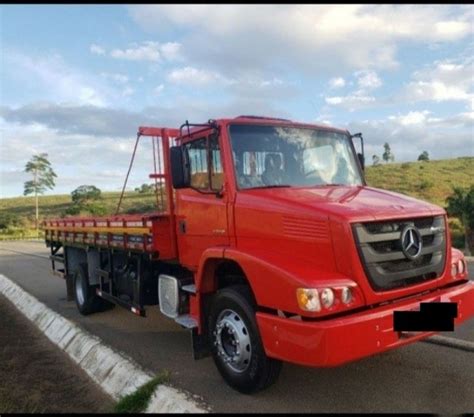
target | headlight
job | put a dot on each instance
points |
(346, 295)
(327, 297)
(461, 267)
(308, 299)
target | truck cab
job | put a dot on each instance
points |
(283, 209)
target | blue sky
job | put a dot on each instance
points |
(77, 81)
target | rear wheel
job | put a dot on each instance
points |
(236, 345)
(87, 300)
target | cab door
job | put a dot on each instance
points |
(202, 209)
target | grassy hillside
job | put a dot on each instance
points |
(431, 181)
(55, 205)
(19, 212)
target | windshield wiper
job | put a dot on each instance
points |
(269, 186)
(329, 185)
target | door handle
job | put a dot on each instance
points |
(182, 226)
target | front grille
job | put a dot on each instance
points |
(385, 264)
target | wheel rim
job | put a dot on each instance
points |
(232, 340)
(79, 290)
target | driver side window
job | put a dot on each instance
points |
(205, 163)
(197, 154)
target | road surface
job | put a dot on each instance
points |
(421, 377)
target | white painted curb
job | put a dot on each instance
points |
(117, 374)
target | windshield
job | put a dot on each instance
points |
(273, 156)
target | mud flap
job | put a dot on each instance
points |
(200, 345)
(69, 287)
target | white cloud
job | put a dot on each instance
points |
(448, 80)
(271, 82)
(351, 102)
(149, 51)
(119, 78)
(337, 82)
(54, 79)
(368, 80)
(411, 133)
(97, 49)
(411, 118)
(314, 38)
(158, 90)
(171, 51)
(194, 76)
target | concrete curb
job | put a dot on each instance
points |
(117, 374)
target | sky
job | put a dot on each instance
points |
(77, 81)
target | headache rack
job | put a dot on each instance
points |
(151, 233)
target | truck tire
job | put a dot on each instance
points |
(86, 299)
(236, 344)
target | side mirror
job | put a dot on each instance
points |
(179, 168)
(361, 160)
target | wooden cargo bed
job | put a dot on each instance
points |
(150, 233)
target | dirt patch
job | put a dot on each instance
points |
(37, 377)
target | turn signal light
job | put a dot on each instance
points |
(308, 299)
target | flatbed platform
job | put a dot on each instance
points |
(149, 233)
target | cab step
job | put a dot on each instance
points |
(190, 288)
(187, 321)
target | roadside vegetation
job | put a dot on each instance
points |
(137, 402)
(429, 180)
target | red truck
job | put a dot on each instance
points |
(269, 246)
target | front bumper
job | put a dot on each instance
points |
(336, 341)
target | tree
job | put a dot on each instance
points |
(8, 220)
(43, 179)
(424, 156)
(84, 194)
(387, 154)
(145, 189)
(461, 204)
(375, 160)
(86, 198)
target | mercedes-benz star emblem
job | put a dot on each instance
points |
(411, 242)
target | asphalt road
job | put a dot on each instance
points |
(421, 377)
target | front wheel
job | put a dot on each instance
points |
(236, 345)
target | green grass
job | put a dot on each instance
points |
(137, 402)
(432, 181)
(55, 205)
